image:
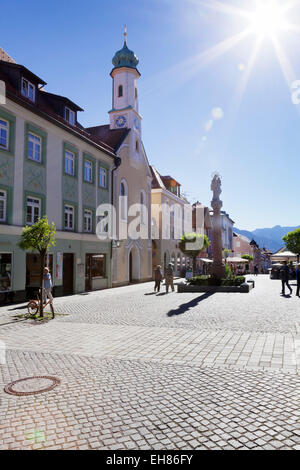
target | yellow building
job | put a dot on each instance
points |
(165, 231)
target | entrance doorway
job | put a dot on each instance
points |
(68, 274)
(33, 272)
(134, 265)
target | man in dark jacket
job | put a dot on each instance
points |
(158, 277)
(298, 280)
(285, 277)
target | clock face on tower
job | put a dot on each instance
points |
(121, 121)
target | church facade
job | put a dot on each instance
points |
(131, 180)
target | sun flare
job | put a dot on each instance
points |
(268, 19)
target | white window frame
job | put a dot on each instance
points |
(3, 197)
(34, 143)
(34, 203)
(89, 169)
(68, 118)
(26, 91)
(69, 210)
(88, 221)
(5, 128)
(102, 176)
(69, 159)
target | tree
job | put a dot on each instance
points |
(191, 244)
(292, 241)
(226, 253)
(249, 258)
(39, 237)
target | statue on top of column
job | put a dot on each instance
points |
(216, 187)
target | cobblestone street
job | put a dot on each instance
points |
(145, 371)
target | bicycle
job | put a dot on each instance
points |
(33, 306)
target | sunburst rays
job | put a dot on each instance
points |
(180, 73)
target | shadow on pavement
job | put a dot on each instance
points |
(187, 306)
(150, 293)
(17, 308)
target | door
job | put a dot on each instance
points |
(68, 274)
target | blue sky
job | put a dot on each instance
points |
(255, 143)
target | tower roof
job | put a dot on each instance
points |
(125, 57)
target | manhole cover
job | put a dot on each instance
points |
(32, 385)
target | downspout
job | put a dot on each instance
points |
(117, 162)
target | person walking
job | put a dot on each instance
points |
(256, 270)
(169, 278)
(298, 280)
(47, 287)
(158, 277)
(285, 277)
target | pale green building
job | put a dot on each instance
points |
(50, 165)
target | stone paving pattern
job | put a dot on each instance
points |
(140, 371)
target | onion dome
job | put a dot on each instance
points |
(125, 57)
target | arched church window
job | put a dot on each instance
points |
(123, 199)
(120, 91)
(135, 93)
(137, 145)
(143, 207)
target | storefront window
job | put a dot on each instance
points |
(95, 265)
(5, 271)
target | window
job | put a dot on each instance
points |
(69, 217)
(3, 198)
(28, 89)
(123, 200)
(33, 211)
(34, 147)
(95, 265)
(102, 177)
(88, 221)
(238, 244)
(4, 134)
(88, 171)
(137, 145)
(5, 272)
(69, 163)
(120, 91)
(70, 116)
(143, 208)
(135, 93)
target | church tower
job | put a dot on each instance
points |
(125, 109)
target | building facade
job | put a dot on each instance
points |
(165, 239)
(49, 165)
(132, 251)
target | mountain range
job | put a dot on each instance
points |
(270, 238)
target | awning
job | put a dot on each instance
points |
(284, 256)
(236, 259)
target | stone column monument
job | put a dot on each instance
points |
(218, 268)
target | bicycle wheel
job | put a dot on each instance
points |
(32, 308)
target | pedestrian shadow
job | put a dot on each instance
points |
(187, 306)
(17, 308)
(150, 293)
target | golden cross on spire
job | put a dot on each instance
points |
(125, 34)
